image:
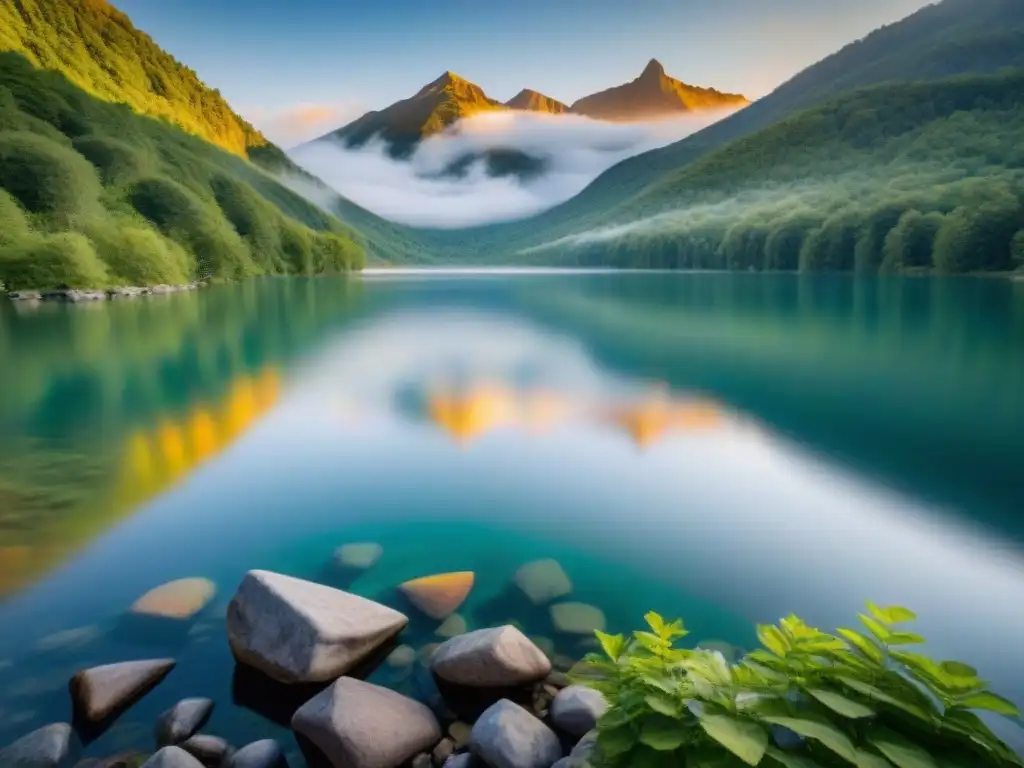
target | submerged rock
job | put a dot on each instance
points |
(180, 599)
(211, 751)
(452, 626)
(52, 746)
(298, 631)
(438, 596)
(360, 725)
(361, 556)
(459, 731)
(102, 691)
(260, 754)
(24, 295)
(502, 656)
(182, 720)
(577, 618)
(444, 749)
(543, 581)
(172, 757)
(576, 709)
(402, 656)
(507, 736)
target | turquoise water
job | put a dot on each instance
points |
(831, 440)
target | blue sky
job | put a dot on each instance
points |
(296, 67)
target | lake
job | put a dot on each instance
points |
(724, 448)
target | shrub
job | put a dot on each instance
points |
(13, 224)
(805, 699)
(136, 255)
(198, 225)
(910, 242)
(40, 262)
(1017, 249)
(46, 177)
(297, 248)
(116, 162)
(253, 218)
(336, 254)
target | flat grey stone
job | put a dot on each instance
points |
(52, 746)
(360, 725)
(298, 631)
(577, 618)
(507, 736)
(101, 691)
(260, 754)
(463, 760)
(576, 709)
(182, 720)
(361, 556)
(501, 656)
(585, 747)
(172, 757)
(211, 751)
(543, 581)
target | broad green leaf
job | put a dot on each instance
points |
(612, 645)
(838, 703)
(662, 733)
(645, 757)
(744, 738)
(615, 718)
(863, 644)
(904, 638)
(656, 623)
(958, 669)
(967, 723)
(991, 701)
(616, 741)
(913, 708)
(662, 705)
(650, 641)
(900, 751)
(789, 759)
(667, 684)
(713, 756)
(935, 677)
(819, 730)
(876, 628)
(867, 759)
(893, 614)
(772, 639)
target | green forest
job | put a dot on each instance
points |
(926, 175)
(93, 195)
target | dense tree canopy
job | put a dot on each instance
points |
(93, 194)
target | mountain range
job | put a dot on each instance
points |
(443, 102)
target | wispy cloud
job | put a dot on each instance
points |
(577, 150)
(302, 122)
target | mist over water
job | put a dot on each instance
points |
(576, 150)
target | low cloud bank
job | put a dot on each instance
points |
(576, 149)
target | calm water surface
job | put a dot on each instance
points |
(724, 448)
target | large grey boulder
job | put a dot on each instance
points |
(172, 757)
(507, 736)
(182, 720)
(490, 658)
(52, 746)
(576, 709)
(298, 631)
(100, 692)
(265, 753)
(360, 725)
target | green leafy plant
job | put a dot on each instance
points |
(805, 699)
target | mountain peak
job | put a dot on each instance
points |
(652, 70)
(448, 78)
(535, 101)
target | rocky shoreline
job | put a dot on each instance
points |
(76, 295)
(500, 702)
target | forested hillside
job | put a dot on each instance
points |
(96, 47)
(949, 38)
(93, 194)
(916, 175)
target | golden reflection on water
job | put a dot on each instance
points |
(149, 461)
(481, 408)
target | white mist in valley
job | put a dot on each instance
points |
(413, 191)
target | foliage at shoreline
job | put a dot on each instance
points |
(806, 698)
(894, 177)
(93, 195)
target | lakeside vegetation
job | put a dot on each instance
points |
(93, 195)
(893, 177)
(805, 699)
